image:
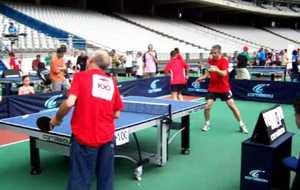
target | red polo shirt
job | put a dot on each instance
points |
(177, 67)
(97, 99)
(217, 83)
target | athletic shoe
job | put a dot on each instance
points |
(243, 129)
(205, 128)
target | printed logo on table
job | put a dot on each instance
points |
(154, 87)
(53, 101)
(257, 175)
(259, 91)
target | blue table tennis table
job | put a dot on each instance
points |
(140, 113)
(269, 71)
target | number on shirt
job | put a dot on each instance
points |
(103, 87)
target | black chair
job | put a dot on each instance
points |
(292, 163)
(296, 183)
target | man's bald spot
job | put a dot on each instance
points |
(101, 58)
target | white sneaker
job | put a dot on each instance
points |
(205, 128)
(243, 129)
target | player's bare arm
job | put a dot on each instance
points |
(222, 73)
(64, 108)
(206, 75)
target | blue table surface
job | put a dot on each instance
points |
(126, 119)
(18, 79)
(267, 69)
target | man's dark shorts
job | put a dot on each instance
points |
(177, 87)
(223, 96)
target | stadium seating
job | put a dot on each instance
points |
(255, 35)
(288, 33)
(190, 32)
(102, 30)
(129, 32)
(33, 41)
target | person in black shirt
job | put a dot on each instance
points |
(295, 75)
(81, 61)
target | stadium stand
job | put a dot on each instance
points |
(190, 32)
(256, 35)
(287, 33)
(112, 32)
(31, 42)
(34, 23)
(246, 6)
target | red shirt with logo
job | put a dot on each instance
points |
(98, 98)
(177, 68)
(218, 83)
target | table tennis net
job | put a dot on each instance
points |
(147, 107)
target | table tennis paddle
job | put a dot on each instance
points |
(43, 124)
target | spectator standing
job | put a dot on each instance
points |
(81, 61)
(35, 63)
(277, 59)
(129, 63)
(261, 56)
(295, 75)
(57, 72)
(150, 61)
(284, 58)
(242, 62)
(139, 65)
(14, 63)
(115, 58)
(48, 59)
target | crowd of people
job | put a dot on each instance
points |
(144, 65)
(85, 95)
(61, 65)
(266, 57)
(57, 68)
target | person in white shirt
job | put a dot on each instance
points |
(129, 63)
(26, 89)
(139, 65)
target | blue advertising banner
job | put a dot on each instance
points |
(252, 90)
(20, 105)
(265, 91)
(195, 88)
(127, 88)
(152, 87)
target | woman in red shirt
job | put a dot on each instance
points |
(177, 68)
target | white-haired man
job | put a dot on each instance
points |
(97, 103)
